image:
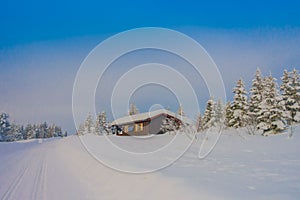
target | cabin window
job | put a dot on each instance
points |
(130, 128)
(138, 127)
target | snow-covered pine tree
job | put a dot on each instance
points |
(80, 130)
(290, 88)
(239, 106)
(101, 124)
(169, 125)
(105, 124)
(219, 113)
(44, 130)
(20, 133)
(180, 111)
(88, 124)
(255, 99)
(97, 124)
(58, 131)
(228, 114)
(296, 94)
(37, 131)
(285, 88)
(271, 108)
(29, 131)
(16, 132)
(5, 127)
(133, 110)
(52, 131)
(199, 123)
(12, 134)
(209, 114)
(23, 132)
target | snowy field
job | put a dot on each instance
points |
(239, 167)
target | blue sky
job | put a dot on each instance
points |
(42, 44)
(30, 21)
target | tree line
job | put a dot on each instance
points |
(100, 126)
(14, 132)
(267, 107)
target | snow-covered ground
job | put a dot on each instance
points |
(239, 167)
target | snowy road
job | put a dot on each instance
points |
(239, 168)
(23, 173)
(62, 169)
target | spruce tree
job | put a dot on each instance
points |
(239, 106)
(5, 127)
(58, 131)
(133, 110)
(255, 99)
(16, 132)
(271, 109)
(219, 112)
(169, 125)
(29, 131)
(43, 130)
(101, 124)
(209, 114)
(88, 125)
(23, 132)
(228, 114)
(180, 111)
(199, 122)
(290, 88)
(80, 130)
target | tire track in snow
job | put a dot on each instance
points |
(10, 160)
(15, 184)
(44, 179)
(13, 158)
(31, 164)
(39, 185)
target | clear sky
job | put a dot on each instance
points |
(30, 21)
(42, 43)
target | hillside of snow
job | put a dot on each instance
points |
(239, 167)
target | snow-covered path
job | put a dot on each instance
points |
(62, 169)
(23, 172)
(254, 167)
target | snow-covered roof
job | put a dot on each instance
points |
(149, 115)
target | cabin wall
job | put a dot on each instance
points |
(149, 127)
(132, 132)
(155, 125)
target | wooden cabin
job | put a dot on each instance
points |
(145, 123)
